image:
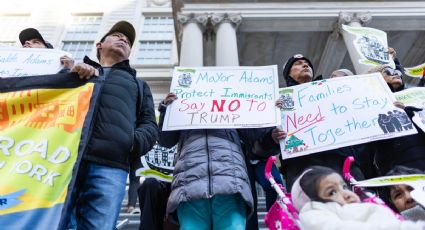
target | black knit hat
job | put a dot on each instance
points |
(31, 33)
(288, 65)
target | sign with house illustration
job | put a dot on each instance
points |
(158, 163)
(367, 47)
(223, 97)
(333, 113)
(21, 62)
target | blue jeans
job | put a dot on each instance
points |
(222, 212)
(97, 196)
(271, 194)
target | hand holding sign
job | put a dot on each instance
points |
(85, 71)
(67, 62)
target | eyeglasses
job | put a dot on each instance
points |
(392, 72)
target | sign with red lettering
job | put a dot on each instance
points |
(223, 97)
(338, 112)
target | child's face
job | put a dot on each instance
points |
(400, 196)
(333, 188)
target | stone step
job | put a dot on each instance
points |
(128, 221)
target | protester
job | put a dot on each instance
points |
(341, 73)
(398, 196)
(297, 70)
(210, 187)
(31, 38)
(409, 150)
(132, 191)
(326, 202)
(256, 158)
(153, 195)
(259, 166)
(124, 129)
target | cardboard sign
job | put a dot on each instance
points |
(19, 62)
(339, 112)
(367, 47)
(414, 97)
(158, 163)
(223, 97)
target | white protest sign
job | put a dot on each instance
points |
(20, 62)
(223, 97)
(158, 163)
(416, 71)
(367, 47)
(417, 181)
(391, 180)
(413, 75)
(339, 112)
(414, 97)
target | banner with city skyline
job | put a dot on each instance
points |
(44, 124)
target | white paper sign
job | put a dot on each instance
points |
(417, 181)
(367, 47)
(340, 112)
(414, 97)
(158, 163)
(19, 62)
(223, 97)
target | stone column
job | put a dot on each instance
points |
(191, 50)
(355, 20)
(226, 47)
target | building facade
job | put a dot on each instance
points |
(219, 33)
(75, 26)
(268, 32)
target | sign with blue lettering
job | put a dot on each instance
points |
(223, 97)
(339, 112)
(20, 62)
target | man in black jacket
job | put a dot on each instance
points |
(124, 129)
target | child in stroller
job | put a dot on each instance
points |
(324, 201)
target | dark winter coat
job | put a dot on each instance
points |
(124, 127)
(209, 162)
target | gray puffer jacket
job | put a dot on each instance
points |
(209, 162)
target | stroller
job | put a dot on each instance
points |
(366, 196)
(282, 214)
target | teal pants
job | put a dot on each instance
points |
(222, 212)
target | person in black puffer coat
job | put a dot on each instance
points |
(124, 129)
